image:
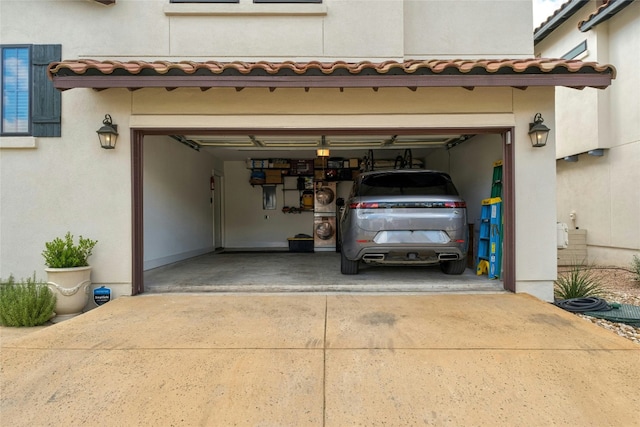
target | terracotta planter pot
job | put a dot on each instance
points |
(71, 287)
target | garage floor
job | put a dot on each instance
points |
(304, 272)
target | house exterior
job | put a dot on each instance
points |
(264, 80)
(598, 132)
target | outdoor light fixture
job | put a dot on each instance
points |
(538, 132)
(108, 133)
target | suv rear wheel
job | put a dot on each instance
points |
(347, 266)
(454, 267)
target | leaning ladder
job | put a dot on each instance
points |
(490, 239)
(496, 182)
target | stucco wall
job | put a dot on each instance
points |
(602, 191)
(535, 197)
(333, 30)
(70, 183)
(474, 37)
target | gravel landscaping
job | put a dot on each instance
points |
(618, 286)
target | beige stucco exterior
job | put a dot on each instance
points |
(53, 185)
(602, 192)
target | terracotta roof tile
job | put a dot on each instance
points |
(605, 11)
(412, 74)
(532, 65)
(596, 12)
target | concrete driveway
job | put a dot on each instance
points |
(320, 360)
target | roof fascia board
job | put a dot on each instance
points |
(136, 82)
(555, 21)
(603, 15)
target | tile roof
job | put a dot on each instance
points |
(555, 13)
(570, 7)
(503, 72)
(605, 11)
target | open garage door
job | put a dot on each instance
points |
(466, 154)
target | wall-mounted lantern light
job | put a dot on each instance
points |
(108, 133)
(538, 132)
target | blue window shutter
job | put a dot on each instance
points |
(47, 100)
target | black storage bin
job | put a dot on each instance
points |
(300, 244)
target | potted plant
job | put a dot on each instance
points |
(68, 274)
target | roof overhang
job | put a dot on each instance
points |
(468, 74)
(603, 13)
(564, 12)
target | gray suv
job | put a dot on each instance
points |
(404, 216)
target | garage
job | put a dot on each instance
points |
(251, 223)
(196, 126)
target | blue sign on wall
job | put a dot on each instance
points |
(101, 295)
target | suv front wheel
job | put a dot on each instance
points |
(347, 266)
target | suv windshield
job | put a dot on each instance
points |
(415, 184)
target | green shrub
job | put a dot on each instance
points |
(61, 253)
(578, 282)
(635, 267)
(28, 303)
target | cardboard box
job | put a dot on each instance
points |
(273, 176)
(354, 163)
(320, 162)
(319, 175)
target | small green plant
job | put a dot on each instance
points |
(578, 282)
(27, 303)
(61, 253)
(635, 267)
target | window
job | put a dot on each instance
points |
(30, 104)
(582, 47)
(16, 66)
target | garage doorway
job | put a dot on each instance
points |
(503, 135)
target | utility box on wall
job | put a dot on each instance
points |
(576, 251)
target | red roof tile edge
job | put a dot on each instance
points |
(542, 65)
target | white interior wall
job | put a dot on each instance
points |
(247, 224)
(470, 166)
(178, 216)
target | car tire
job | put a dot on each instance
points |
(454, 267)
(347, 266)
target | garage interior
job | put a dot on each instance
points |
(239, 211)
